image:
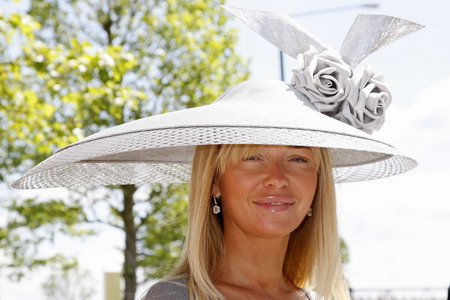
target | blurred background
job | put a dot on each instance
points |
(71, 68)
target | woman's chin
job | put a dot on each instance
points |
(274, 229)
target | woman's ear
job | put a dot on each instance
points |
(215, 189)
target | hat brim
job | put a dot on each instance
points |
(159, 149)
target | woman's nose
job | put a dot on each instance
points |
(275, 177)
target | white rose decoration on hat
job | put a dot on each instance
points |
(326, 77)
(327, 82)
(323, 78)
(367, 102)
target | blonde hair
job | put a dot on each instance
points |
(312, 259)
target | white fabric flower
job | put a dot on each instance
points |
(323, 78)
(367, 102)
(327, 82)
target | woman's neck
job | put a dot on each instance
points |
(254, 262)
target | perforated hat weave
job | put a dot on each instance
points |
(159, 149)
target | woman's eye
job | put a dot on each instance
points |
(252, 158)
(299, 159)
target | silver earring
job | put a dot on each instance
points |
(216, 207)
(309, 213)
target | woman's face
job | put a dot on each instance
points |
(268, 194)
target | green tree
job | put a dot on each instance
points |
(69, 68)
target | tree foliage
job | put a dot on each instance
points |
(69, 68)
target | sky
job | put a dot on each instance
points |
(397, 228)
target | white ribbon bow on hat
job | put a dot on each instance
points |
(323, 75)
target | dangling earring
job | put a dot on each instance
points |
(216, 207)
(309, 213)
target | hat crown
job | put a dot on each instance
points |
(261, 91)
(272, 103)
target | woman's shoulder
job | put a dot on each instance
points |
(173, 289)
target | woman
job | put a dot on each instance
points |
(264, 157)
(276, 201)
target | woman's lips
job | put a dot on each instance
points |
(275, 204)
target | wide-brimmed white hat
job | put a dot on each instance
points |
(159, 149)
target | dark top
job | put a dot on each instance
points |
(177, 290)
